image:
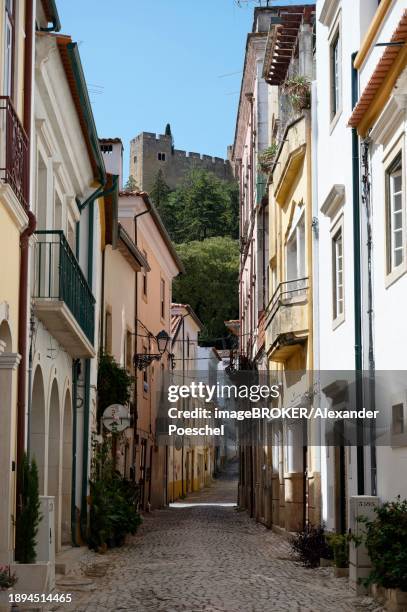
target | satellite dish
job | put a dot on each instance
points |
(116, 418)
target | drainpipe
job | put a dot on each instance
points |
(90, 202)
(366, 199)
(357, 286)
(86, 412)
(24, 247)
(144, 212)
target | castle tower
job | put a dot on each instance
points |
(151, 152)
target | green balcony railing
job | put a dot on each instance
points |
(58, 276)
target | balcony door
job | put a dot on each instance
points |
(295, 256)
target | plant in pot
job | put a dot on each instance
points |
(298, 89)
(113, 502)
(28, 517)
(310, 545)
(339, 543)
(385, 539)
(266, 158)
(7, 579)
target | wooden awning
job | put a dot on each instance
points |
(282, 41)
(382, 81)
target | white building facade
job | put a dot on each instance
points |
(359, 183)
(65, 275)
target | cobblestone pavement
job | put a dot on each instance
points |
(208, 559)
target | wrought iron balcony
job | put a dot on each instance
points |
(286, 320)
(63, 299)
(14, 151)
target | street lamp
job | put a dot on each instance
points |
(143, 360)
(162, 339)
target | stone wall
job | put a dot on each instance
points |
(151, 152)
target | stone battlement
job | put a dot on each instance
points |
(151, 137)
(151, 152)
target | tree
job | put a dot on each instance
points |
(210, 284)
(203, 206)
(131, 184)
(160, 191)
(29, 515)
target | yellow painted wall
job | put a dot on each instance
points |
(9, 269)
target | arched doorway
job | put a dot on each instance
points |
(66, 471)
(37, 427)
(54, 452)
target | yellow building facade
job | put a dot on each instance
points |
(16, 34)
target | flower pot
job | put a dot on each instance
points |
(341, 572)
(378, 593)
(396, 600)
(4, 600)
(34, 577)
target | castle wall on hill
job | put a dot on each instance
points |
(150, 152)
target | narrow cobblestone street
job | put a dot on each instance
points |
(207, 558)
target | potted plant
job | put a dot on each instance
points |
(298, 89)
(113, 502)
(32, 574)
(385, 539)
(340, 546)
(266, 158)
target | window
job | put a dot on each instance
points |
(162, 298)
(108, 332)
(398, 419)
(335, 75)
(337, 275)
(135, 159)
(161, 156)
(145, 373)
(129, 351)
(8, 51)
(395, 215)
(295, 252)
(107, 149)
(145, 282)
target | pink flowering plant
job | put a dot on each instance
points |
(7, 579)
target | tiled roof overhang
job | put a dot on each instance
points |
(282, 41)
(70, 58)
(382, 81)
(51, 13)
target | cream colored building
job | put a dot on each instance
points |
(69, 177)
(190, 458)
(141, 221)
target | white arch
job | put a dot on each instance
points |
(54, 456)
(66, 469)
(38, 426)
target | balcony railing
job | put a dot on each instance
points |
(14, 151)
(286, 293)
(58, 276)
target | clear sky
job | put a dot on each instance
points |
(149, 62)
